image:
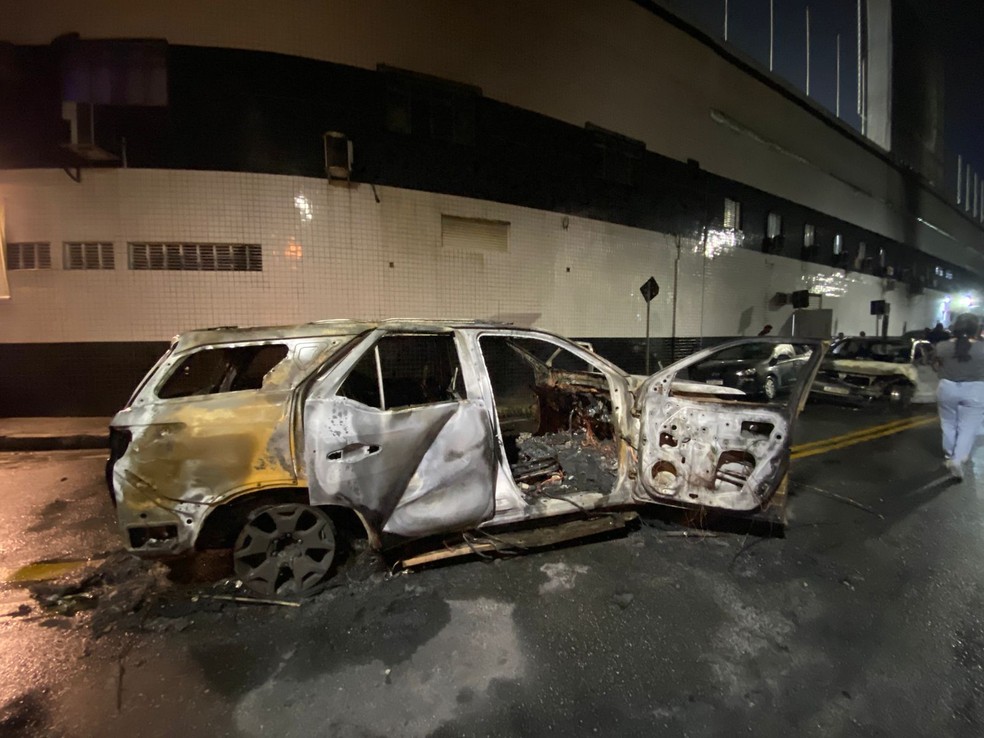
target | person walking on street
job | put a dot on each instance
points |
(960, 397)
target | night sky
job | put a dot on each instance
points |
(956, 26)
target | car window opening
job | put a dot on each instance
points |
(555, 417)
(759, 373)
(406, 371)
(215, 370)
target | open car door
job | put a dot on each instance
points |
(395, 435)
(711, 435)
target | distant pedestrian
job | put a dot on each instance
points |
(766, 330)
(960, 397)
(862, 334)
(937, 334)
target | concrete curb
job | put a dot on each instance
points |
(53, 443)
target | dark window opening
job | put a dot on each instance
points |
(211, 371)
(362, 383)
(416, 370)
(429, 107)
(617, 158)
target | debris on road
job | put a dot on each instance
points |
(118, 587)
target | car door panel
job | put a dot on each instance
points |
(699, 449)
(410, 470)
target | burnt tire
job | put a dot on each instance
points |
(286, 550)
(770, 388)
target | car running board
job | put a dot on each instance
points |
(520, 541)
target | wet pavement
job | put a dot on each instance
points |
(865, 619)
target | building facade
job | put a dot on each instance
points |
(162, 170)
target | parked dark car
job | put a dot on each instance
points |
(759, 370)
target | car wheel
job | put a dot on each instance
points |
(769, 388)
(285, 550)
(901, 396)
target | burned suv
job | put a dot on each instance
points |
(280, 443)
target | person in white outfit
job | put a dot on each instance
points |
(960, 397)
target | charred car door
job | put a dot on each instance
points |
(394, 435)
(712, 445)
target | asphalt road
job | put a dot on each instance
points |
(865, 620)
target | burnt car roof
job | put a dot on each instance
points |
(330, 327)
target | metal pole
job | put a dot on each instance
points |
(676, 281)
(807, 50)
(772, 33)
(725, 20)
(649, 311)
(860, 92)
(838, 107)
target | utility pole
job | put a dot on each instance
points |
(837, 109)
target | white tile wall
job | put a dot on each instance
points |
(359, 258)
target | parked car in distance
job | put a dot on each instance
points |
(862, 370)
(759, 370)
(283, 443)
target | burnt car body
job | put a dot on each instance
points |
(861, 370)
(757, 369)
(278, 442)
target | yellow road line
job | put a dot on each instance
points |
(902, 423)
(850, 439)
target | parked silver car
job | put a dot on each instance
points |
(282, 442)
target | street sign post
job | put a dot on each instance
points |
(649, 290)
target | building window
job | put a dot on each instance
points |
(838, 244)
(809, 236)
(89, 255)
(732, 215)
(773, 226)
(196, 257)
(429, 107)
(26, 256)
(618, 158)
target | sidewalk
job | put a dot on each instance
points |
(53, 434)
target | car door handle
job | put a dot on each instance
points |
(353, 452)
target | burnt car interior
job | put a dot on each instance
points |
(403, 371)
(224, 369)
(555, 417)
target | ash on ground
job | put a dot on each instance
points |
(120, 587)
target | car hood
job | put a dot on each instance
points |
(871, 368)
